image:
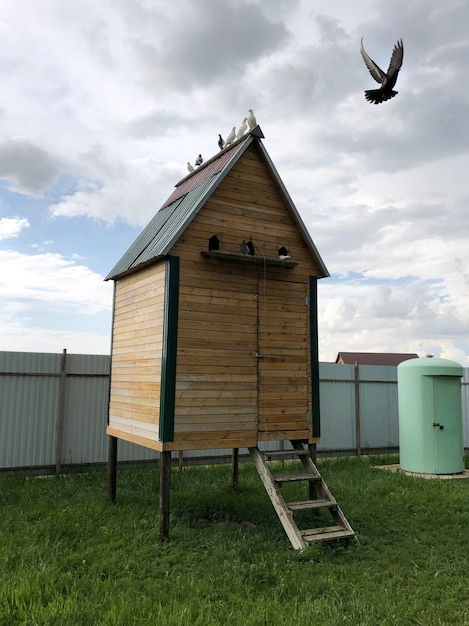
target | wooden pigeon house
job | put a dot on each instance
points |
(214, 337)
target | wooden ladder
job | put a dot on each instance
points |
(319, 497)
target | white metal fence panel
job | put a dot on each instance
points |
(337, 405)
(379, 420)
(29, 396)
(465, 406)
(53, 411)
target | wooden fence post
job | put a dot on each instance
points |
(357, 410)
(61, 413)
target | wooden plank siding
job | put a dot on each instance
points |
(284, 346)
(216, 379)
(136, 356)
(231, 312)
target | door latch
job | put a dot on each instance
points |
(437, 425)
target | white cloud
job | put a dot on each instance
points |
(50, 302)
(103, 104)
(12, 226)
(16, 336)
(128, 191)
(403, 316)
(51, 283)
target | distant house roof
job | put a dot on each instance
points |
(190, 194)
(374, 358)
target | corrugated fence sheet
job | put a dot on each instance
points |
(29, 393)
(379, 419)
(337, 402)
(53, 411)
(465, 406)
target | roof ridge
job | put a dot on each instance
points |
(255, 132)
(216, 164)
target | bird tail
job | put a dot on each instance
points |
(377, 96)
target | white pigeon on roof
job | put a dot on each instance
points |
(242, 129)
(199, 160)
(190, 167)
(251, 119)
(231, 137)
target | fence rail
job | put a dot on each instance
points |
(53, 412)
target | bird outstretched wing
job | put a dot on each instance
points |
(396, 58)
(374, 69)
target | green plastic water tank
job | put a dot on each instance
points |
(430, 416)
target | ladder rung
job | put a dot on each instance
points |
(294, 478)
(326, 534)
(323, 529)
(271, 453)
(311, 504)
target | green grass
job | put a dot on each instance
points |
(69, 558)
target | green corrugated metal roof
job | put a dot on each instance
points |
(159, 236)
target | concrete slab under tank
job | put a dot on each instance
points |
(397, 468)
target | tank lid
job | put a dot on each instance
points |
(433, 366)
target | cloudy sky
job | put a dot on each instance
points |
(102, 104)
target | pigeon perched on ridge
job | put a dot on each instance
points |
(231, 137)
(242, 129)
(251, 119)
(190, 167)
(387, 80)
(199, 160)
(221, 143)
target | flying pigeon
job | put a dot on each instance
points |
(231, 137)
(190, 167)
(387, 80)
(199, 160)
(242, 129)
(221, 143)
(244, 248)
(251, 120)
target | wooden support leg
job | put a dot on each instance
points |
(312, 452)
(112, 469)
(313, 488)
(234, 467)
(165, 487)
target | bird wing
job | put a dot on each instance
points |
(396, 58)
(375, 71)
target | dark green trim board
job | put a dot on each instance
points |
(314, 349)
(170, 333)
(112, 341)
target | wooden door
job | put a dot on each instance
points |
(284, 389)
(216, 383)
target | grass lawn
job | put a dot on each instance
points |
(69, 558)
